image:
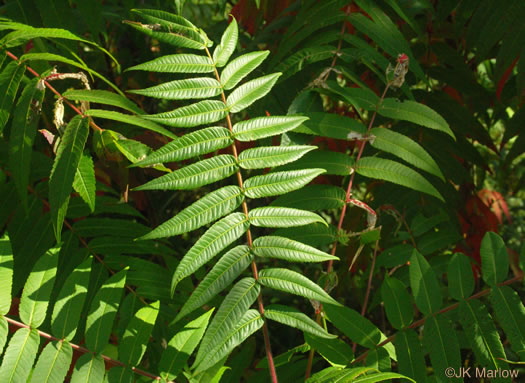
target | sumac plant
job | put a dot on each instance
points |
(284, 191)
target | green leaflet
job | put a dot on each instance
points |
(249, 92)
(335, 374)
(10, 79)
(207, 209)
(133, 344)
(183, 39)
(261, 127)
(97, 227)
(102, 312)
(193, 88)
(313, 197)
(360, 98)
(23, 131)
(330, 125)
(190, 145)
(424, 284)
(234, 306)
(353, 325)
(195, 175)
(38, 288)
(398, 305)
(4, 328)
(181, 346)
(53, 363)
(89, 369)
(200, 113)
(410, 355)
(282, 217)
(334, 351)
(414, 112)
(482, 334)
(64, 169)
(224, 272)
(270, 156)
(215, 239)
(6, 274)
(84, 181)
(405, 148)
(68, 306)
(102, 97)
(460, 278)
(139, 121)
(279, 182)
(250, 322)
(19, 356)
(297, 61)
(294, 283)
(296, 319)
(19, 37)
(442, 343)
(135, 151)
(332, 162)
(494, 259)
(240, 67)
(397, 173)
(224, 50)
(287, 249)
(181, 63)
(510, 314)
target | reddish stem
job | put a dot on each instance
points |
(84, 350)
(50, 87)
(260, 306)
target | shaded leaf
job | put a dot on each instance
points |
(313, 197)
(424, 284)
(335, 351)
(460, 277)
(494, 259)
(102, 97)
(84, 181)
(398, 305)
(510, 313)
(10, 79)
(410, 355)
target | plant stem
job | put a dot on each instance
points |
(442, 311)
(84, 350)
(343, 212)
(48, 85)
(260, 305)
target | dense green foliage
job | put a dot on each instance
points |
(320, 191)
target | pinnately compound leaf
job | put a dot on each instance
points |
(224, 50)
(234, 306)
(207, 209)
(251, 91)
(19, 356)
(64, 169)
(250, 322)
(191, 145)
(200, 113)
(397, 173)
(289, 250)
(137, 334)
(282, 217)
(193, 88)
(68, 306)
(294, 283)
(215, 239)
(296, 319)
(181, 346)
(270, 156)
(53, 363)
(195, 175)
(261, 127)
(224, 272)
(279, 182)
(239, 68)
(181, 63)
(37, 290)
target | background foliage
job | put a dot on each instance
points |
(346, 177)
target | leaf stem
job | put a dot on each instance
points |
(59, 95)
(84, 350)
(260, 305)
(343, 211)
